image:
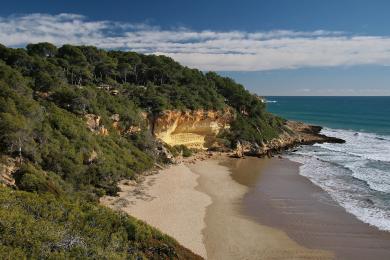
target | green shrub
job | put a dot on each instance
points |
(47, 227)
(185, 151)
(31, 179)
(180, 150)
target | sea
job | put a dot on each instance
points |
(355, 174)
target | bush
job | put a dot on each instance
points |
(47, 227)
(185, 151)
(180, 150)
(31, 179)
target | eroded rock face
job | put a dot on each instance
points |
(94, 124)
(163, 153)
(239, 151)
(7, 168)
(194, 129)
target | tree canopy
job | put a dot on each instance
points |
(46, 94)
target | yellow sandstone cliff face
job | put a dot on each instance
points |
(194, 129)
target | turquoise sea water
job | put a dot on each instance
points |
(366, 114)
(356, 174)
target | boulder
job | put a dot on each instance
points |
(93, 122)
(115, 117)
(165, 154)
(91, 158)
(239, 151)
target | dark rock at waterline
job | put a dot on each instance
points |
(294, 134)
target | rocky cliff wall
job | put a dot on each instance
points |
(194, 129)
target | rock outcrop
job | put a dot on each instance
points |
(7, 168)
(295, 133)
(195, 129)
(163, 153)
(91, 158)
(94, 124)
(115, 122)
(198, 129)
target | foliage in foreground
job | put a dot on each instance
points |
(45, 226)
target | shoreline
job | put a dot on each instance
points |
(231, 235)
(200, 191)
(281, 198)
(248, 208)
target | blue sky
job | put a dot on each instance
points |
(290, 47)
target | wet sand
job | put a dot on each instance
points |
(279, 197)
(228, 233)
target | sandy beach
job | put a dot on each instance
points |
(199, 205)
(224, 208)
(170, 202)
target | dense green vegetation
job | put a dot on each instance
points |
(45, 226)
(45, 93)
(253, 123)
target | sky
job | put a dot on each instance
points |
(278, 47)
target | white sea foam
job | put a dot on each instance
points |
(356, 174)
(365, 145)
(377, 179)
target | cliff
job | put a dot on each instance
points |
(195, 129)
(199, 129)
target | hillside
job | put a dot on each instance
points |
(75, 120)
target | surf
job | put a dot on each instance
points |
(355, 174)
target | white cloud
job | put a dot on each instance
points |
(206, 50)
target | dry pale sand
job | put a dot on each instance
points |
(169, 202)
(197, 204)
